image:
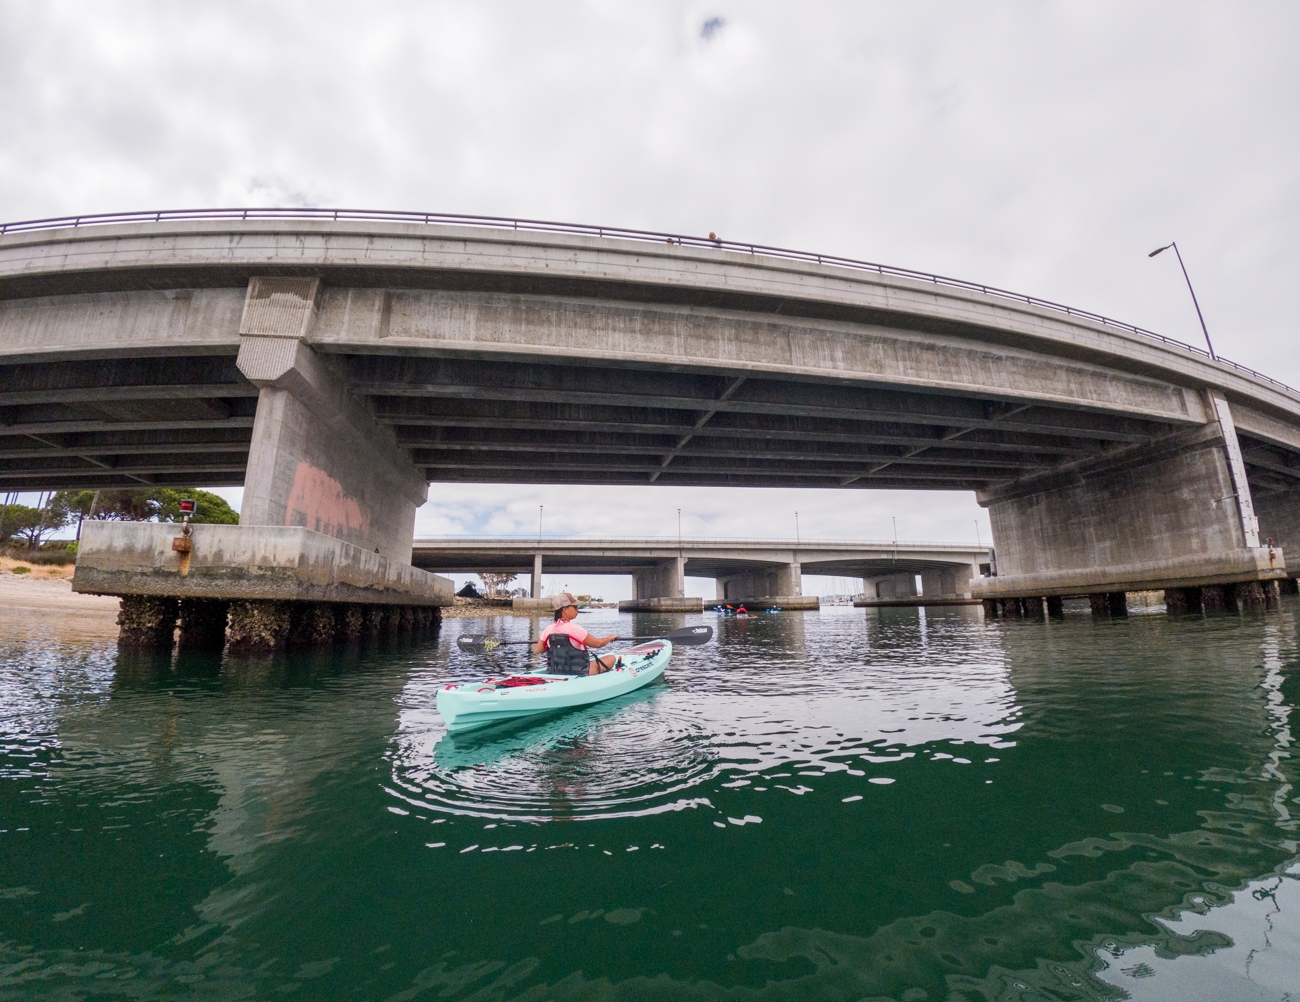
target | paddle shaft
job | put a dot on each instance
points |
(616, 640)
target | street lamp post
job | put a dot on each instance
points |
(1204, 330)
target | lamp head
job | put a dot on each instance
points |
(1159, 250)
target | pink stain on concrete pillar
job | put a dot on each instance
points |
(319, 502)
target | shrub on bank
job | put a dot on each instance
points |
(50, 553)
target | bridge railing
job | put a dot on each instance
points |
(623, 233)
(670, 542)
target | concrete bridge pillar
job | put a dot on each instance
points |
(318, 458)
(893, 586)
(664, 580)
(535, 590)
(780, 581)
(1169, 513)
(946, 582)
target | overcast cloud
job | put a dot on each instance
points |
(1044, 147)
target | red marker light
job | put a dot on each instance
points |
(187, 507)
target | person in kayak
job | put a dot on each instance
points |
(565, 643)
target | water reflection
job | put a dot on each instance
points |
(883, 803)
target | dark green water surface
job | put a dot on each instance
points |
(839, 805)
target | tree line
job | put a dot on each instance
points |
(34, 525)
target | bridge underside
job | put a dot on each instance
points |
(188, 420)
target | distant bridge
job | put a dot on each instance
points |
(742, 568)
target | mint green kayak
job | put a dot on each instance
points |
(477, 704)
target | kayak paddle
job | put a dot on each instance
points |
(687, 636)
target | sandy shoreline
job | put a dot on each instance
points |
(47, 605)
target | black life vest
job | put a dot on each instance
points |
(563, 658)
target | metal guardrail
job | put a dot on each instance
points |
(646, 236)
(671, 541)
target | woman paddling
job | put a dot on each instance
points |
(565, 642)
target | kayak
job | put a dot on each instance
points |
(477, 704)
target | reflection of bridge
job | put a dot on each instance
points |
(742, 568)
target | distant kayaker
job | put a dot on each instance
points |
(565, 642)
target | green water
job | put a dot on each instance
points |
(838, 805)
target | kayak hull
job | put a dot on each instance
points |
(478, 704)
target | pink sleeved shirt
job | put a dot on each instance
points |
(576, 634)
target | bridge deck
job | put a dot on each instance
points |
(572, 357)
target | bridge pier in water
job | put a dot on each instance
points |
(323, 547)
(1174, 514)
(775, 586)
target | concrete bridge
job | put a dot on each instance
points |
(335, 363)
(745, 570)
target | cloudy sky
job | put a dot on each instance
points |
(1044, 147)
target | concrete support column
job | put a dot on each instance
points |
(259, 626)
(314, 624)
(665, 580)
(318, 458)
(147, 622)
(1258, 595)
(203, 623)
(1109, 604)
(1182, 601)
(895, 586)
(946, 582)
(535, 588)
(789, 579)
(1219, 599)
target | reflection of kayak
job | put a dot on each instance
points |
(475, 704)
(485, 745)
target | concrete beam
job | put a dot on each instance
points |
(492, 323)
(406, 376)
(273, 563)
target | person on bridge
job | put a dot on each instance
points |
(565, 642)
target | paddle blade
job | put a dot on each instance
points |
(691, 636)
(477, 643)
